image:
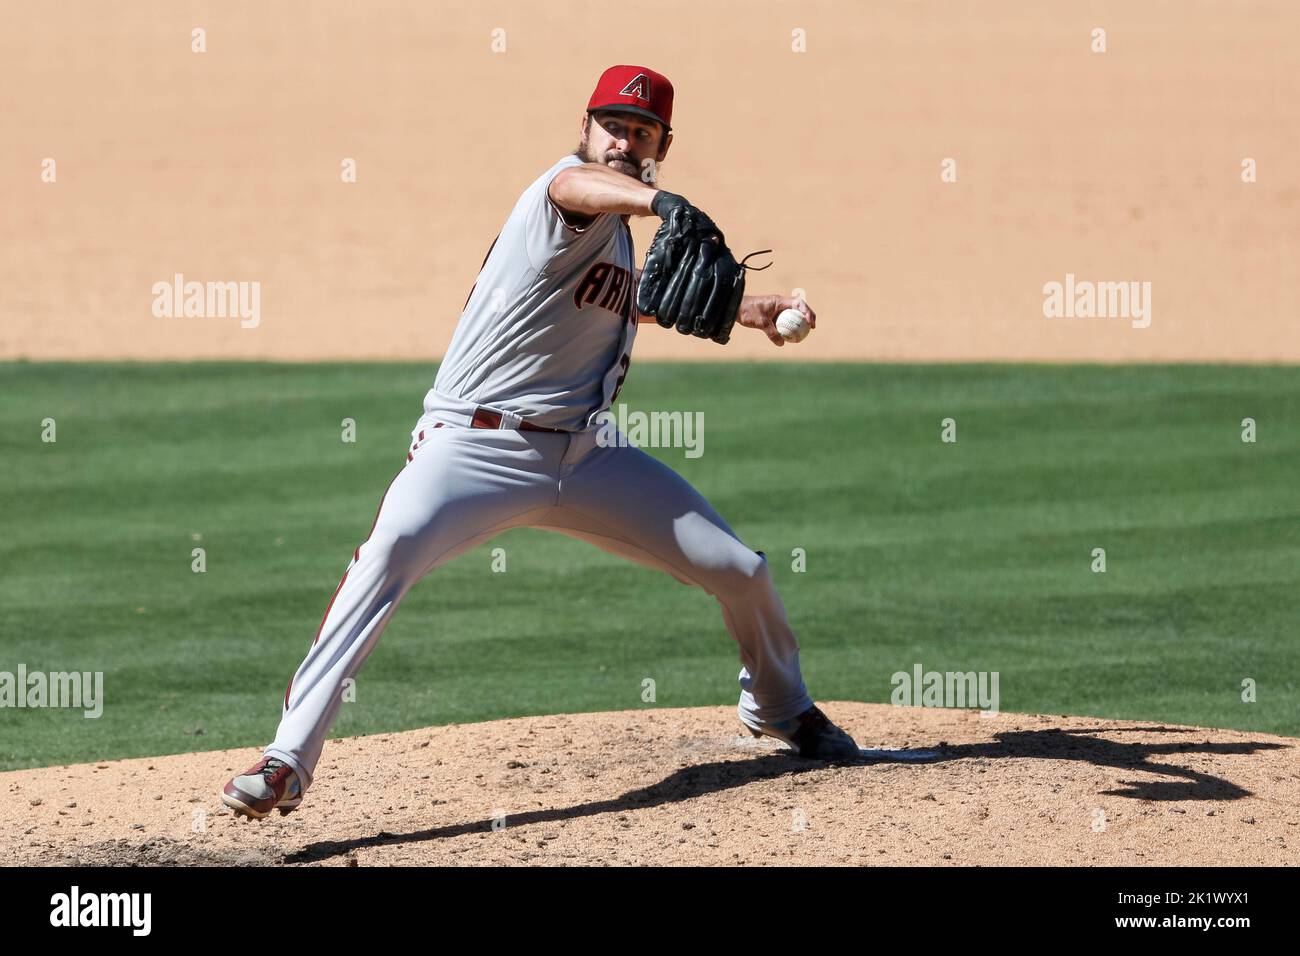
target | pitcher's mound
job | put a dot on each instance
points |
(662, 786)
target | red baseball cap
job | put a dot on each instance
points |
(634, 89)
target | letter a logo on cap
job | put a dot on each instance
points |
(638, 86)
(634, 89)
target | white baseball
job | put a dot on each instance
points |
(793, 325)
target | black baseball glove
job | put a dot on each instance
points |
(690, 281)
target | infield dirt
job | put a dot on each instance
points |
(680, 786)
(819, 130)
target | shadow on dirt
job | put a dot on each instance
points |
(682, 784)
(1054, 744)
(1078, 744)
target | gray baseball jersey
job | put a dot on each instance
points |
(547, 331)
(545, 336)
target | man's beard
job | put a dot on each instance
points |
(587, 155)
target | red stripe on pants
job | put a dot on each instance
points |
(356, 556)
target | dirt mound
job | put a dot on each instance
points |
(682, 787)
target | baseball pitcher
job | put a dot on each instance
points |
(508, 437)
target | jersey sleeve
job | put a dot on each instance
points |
(550, 231)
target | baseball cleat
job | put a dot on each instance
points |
(812, 735)
(268, 785)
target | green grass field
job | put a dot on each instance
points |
(967, 556)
